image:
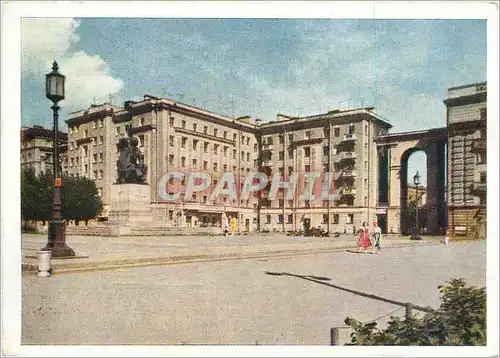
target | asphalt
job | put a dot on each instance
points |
(104, 253)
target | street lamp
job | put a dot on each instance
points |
(54, 90)
(416, 232)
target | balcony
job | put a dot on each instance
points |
(348, 137)
(347, 156)
(348, 191)
(479, 145)
(348, 174)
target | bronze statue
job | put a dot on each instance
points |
(130, 164)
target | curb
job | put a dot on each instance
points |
(29, 269)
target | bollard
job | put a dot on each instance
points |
(44, 263)
(334, 336)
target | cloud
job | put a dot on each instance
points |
(87, 77)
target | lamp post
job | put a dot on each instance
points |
(54, 90)
(416, 232)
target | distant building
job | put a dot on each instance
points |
(466, 122)
(37, 149)
(417, 194)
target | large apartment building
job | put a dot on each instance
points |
(37, 149)
(466, 122)
(178, 137)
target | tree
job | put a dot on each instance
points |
(460, 320)
(79, 199)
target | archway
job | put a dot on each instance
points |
(394, 151)
(413, 161)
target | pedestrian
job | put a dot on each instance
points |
(364, 238)
(225, 224)
(233, 225)
(354, 229)
(377, 237)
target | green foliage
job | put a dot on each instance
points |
(79, 199)
(459, 321)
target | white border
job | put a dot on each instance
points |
(10, 184)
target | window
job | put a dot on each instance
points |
(226, 151)
(290, 153)
(290, 219)
(366, 165)
(366, 148)
(281, 138)
(183, 124)
(141, 140)
(171, 140)
(234, 137)
(194, 127)
(172, 121)
(350, 219)
(216, 149)
(205, 129)
(71, 162)
(195, 144)
(335, 218)
(255, 148)
(280, 219)
(85, 133)
(281, 203)
(195, 162)
(100, 139)
(248, 157)
(280, 155)
(290, 138)
(307, 152)
(101, 172)
(215, 132)
(242, 155)
(234, 153)
(101, 155)
(482, 177)
(325, 151)
(248, 140)
(216, 167)
(118, 130)
(482, 113)
(290, 170)
(351, 129)
(307, 168)
(171, 159)
(205, 165)
(225, 134)
(94, 158)
(77, 160)
(366, 183)
(183, 161)
(307, 135)
(205, 147)
(325, 219)
(224, 167)
(183, 142)
(270, 140)
(205, 198)
(336, 132)
(366, 129)
(268, 219)
(234, 168)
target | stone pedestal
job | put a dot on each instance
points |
(130, 207)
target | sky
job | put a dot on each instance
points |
(257, 67)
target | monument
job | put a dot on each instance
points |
(130, 195)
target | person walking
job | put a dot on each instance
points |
(377, 237)
(364, 238)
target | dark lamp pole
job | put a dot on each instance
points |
(416, 182)
(54, 90)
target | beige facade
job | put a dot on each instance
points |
(178, 137)
(466, 195)
(37, 149)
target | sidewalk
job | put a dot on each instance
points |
(101, 253)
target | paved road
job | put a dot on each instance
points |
(236, 302)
